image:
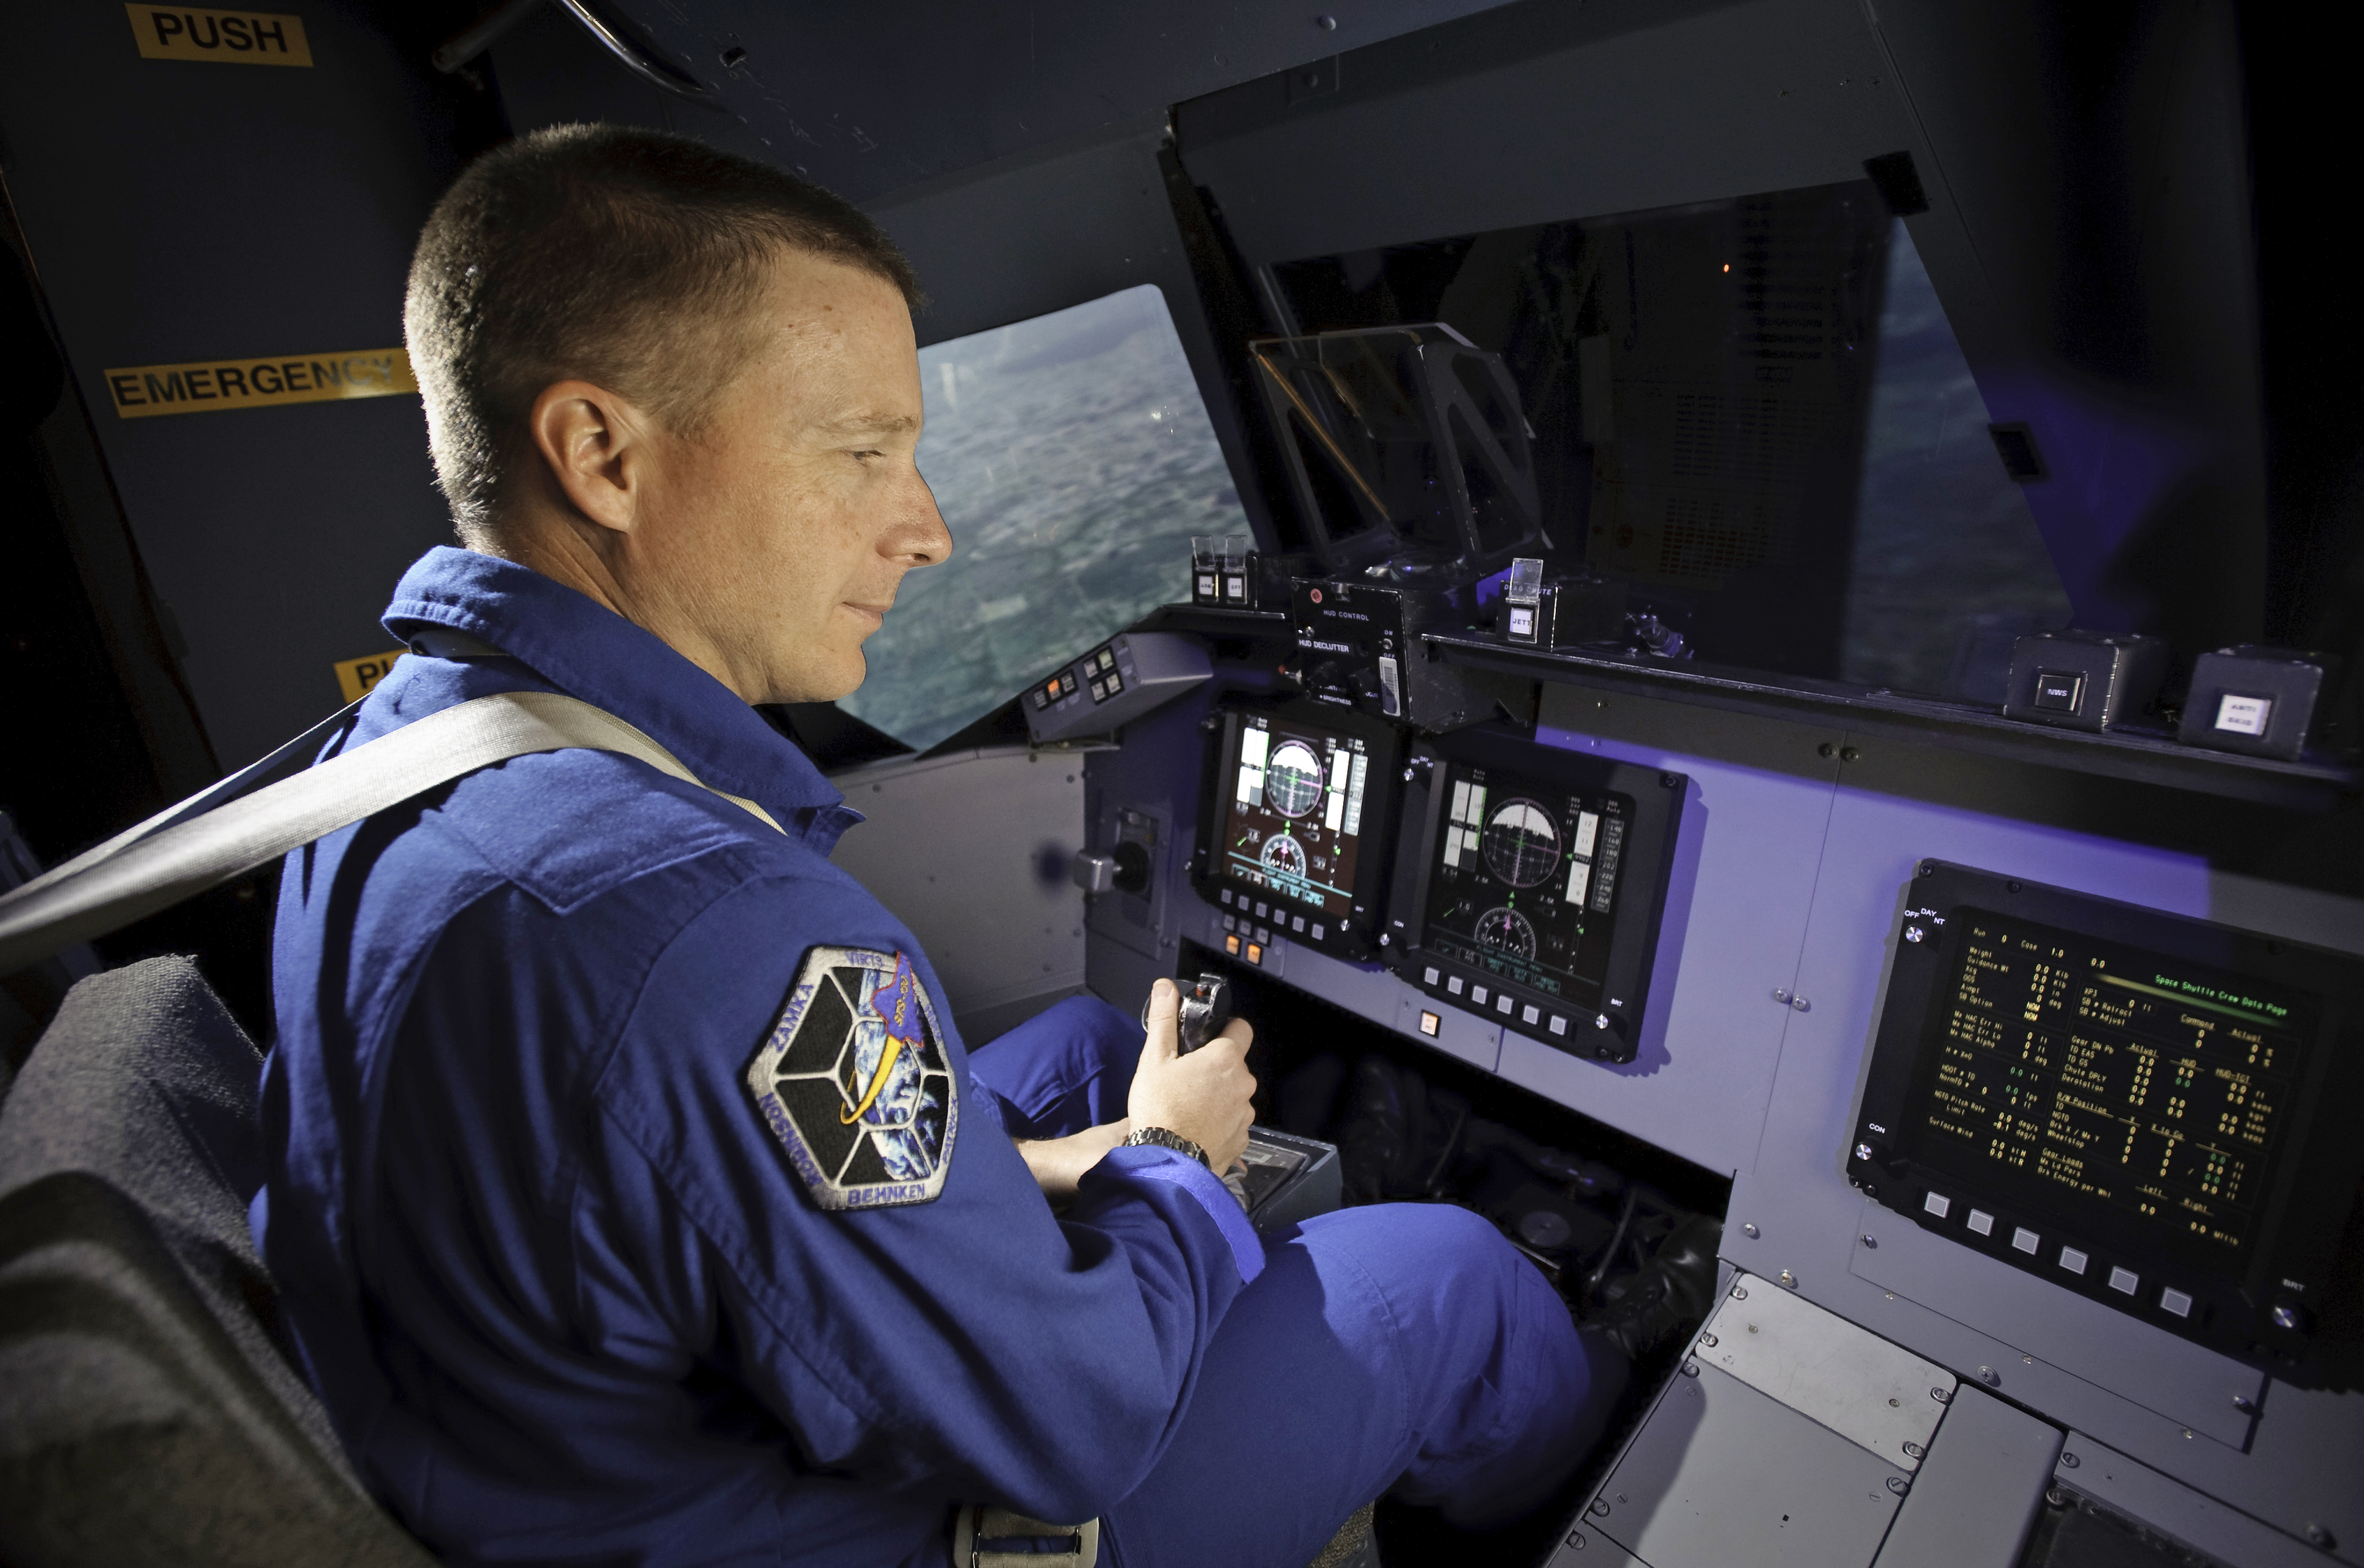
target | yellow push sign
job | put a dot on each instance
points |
(208, 386)
(224, 38)
(356, 676)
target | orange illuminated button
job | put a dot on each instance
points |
(1430, 1023)
(1232, 944)
(1256, 954)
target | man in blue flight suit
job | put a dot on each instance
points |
(633, 1198)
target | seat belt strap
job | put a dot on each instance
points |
(221, 833)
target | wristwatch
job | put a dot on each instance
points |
(1157, 1137)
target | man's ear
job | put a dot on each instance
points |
(594, 446)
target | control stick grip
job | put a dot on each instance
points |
(1206, 1008)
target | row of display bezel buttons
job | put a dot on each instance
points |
(2124, 1281)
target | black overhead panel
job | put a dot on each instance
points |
(2085, 222)
(867, 99)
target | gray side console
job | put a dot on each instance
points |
(1791, 1436)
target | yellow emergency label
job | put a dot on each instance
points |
(356, 676)
(226, 37)
(208, 386)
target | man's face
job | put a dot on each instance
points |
(787, 520)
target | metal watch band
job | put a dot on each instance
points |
(1160, 1138)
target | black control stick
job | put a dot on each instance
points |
(1206, 1008)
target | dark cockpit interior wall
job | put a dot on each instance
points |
(2119, 224)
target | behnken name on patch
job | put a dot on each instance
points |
(219, 37)
(211, 387)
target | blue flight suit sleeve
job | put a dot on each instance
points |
(972, 1341)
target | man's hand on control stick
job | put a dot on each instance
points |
(1206, 1096)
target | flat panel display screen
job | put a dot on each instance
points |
(2157, 1088)
(1524, 879)
(1532, 886)
(2155, 1112)
(1298, 832)
(1295, 825)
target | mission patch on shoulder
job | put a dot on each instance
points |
(854, 1081)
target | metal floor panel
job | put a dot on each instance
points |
(1977, 1493)
(1722, 1474)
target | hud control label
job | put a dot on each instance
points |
(224, 38)
(208, 387)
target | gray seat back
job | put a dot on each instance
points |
(148, 1410)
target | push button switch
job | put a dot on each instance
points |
(2059, 691)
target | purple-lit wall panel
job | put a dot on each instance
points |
(1737, 909)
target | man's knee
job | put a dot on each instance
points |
(1441, 1245)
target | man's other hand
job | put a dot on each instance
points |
(1206, 1096)
(1059, 1163)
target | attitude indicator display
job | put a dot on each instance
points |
(1296, 822)
(1523, 868)
(1533, 886)
(1298, 837)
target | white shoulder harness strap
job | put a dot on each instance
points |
(233, 827)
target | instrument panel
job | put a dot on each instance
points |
(2151, 1111)
(1300, 822)
(1532, 886)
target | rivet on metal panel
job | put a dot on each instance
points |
(1782, 996)
(1740, 1293)
(1709, 1340)
(2055, 1497)
(1787, 1281)
(2187, 1434)
(2243, 1403)
(2320, 1537)
(1990, 1377)
(1945, 1396)
(1750, 1231)
(1897, 1483)
(1871, 1240)
(1690, 1369)
(1576, 1540)
(1849, 754)
(1802, 1004)
(1600, 1508)
(2069, 1462)
(1916, 1451)
(1827, 751)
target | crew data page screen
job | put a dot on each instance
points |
(1295, 824)
(2085, 1070)
(1524, 880)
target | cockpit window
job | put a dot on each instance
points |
(1073, 459)
(1753, 412)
